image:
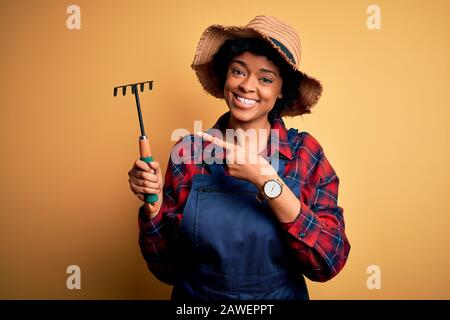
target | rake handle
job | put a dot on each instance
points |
(146, 156)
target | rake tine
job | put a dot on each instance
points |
(134, 87)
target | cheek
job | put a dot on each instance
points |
(230, 82)
(269, 94)
(228, 87)
(227, 84)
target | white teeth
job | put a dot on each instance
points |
(246, 101)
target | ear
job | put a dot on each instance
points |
(280, 96)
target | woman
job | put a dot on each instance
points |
(249, 229)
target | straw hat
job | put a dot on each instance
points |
(278, 34)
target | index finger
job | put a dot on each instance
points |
(214, 140)
(142, 165)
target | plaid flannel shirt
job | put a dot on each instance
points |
(316, 237)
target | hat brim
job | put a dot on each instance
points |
(214, 36)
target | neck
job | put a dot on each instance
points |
(261, 135)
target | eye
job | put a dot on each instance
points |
(266, 80)
(237, 72)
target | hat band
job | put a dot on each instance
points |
(284, 49)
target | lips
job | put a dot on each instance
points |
(246, 102)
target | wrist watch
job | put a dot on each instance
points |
(272, 189)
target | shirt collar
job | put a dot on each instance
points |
(277, 123)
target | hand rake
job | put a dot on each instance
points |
(144, 145)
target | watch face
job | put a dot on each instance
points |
(272, 189)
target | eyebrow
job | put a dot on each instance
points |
(262, 69)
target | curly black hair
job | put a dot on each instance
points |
(235, 47)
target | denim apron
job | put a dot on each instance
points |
(231, 247)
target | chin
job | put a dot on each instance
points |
(242, 114)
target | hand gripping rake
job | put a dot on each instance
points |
(144, 145)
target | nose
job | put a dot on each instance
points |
(248, 84)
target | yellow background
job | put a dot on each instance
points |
(67, 143)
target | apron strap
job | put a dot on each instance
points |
(278, 163)
(218, 169)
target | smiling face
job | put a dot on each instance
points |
(252, 86)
